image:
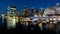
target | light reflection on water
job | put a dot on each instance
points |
(3, 25)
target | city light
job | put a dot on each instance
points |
(45, 18)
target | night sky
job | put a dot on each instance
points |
(29, 3)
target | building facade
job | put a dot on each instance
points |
(12, 17)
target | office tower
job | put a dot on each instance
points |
(12, 17)
(26, 11)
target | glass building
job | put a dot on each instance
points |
(11, 16)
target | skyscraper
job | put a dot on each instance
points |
(11, 16)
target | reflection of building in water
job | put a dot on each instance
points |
(25, 12)
(12, 17)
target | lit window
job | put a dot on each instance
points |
(50, 18)
(54, 19)
(13, 21)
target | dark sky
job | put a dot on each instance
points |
(29, 3)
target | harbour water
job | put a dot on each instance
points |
(21, 28)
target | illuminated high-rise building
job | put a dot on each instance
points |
(12, 17)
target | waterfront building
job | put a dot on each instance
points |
(12, 17)
(53, 13)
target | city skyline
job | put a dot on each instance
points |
(29, 3)
(36, 15)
